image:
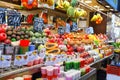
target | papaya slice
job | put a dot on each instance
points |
(51, 45)
(53, 51)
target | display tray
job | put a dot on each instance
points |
(20, 71)
(88, 75)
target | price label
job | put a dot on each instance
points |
(20, 60)
(42, 53)
(2, 17)
(61, 30)
(38, 24)
(32, 55)
(90, 30)
(14, 19)
(5, 61)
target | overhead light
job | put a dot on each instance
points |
(111, 9)
(107, 6)
(101, 9)
(95, 6)
(88, 1)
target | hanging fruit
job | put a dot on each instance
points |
(66, 5)
(29, 4)
(97, 18)
(50, 2)
(73, 3)
(70, 11)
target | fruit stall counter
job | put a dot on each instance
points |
(36, 68)
(20, 71)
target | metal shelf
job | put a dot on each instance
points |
(17, 71)
(100, 60)
(88, 75)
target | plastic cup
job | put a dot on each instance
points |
(56, 65)
(27, 77)
(55, 72)
(24, 42)
(31, 47)
(68, 77)
(44, 72)
(76, 65)
(50, 73)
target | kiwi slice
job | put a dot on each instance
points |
(9, 32)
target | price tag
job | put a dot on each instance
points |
(5, 61)
(38, 24)
(32, 55)
(90, 30)
(20, 60)
(2, 16)
(42, 53)
(61, 30)
(49, 61)
(14, 19)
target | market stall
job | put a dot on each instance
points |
(43, 37)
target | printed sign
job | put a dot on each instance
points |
(14, 19)
(20, 60)
(61, 30)
(42, 53)
(32, 55)
(2, 16)
(38, 24)
(5, 61)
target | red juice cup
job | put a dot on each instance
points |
(44, 72)
(55, 72)
(50, 73)
(27, 77)
(57, 65)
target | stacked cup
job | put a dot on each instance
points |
(50, 72)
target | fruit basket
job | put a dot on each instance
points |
(113, 70)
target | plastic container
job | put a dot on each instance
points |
(24, 42)
(50, 73)
(24, 49)
(44, 72)
(76, 65)
(31, 47)
(68, 77)
(55, 72)
(113, 70)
